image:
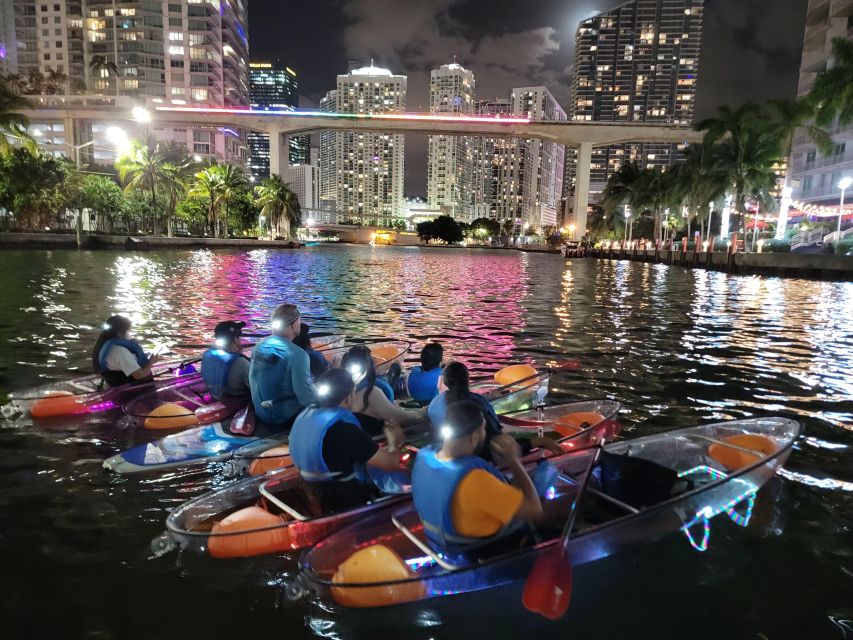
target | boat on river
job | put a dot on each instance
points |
(216, 442)
(644, 488)
(274, 513)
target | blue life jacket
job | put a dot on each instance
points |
(319, 364)
(215, 366)
(423, 385)
(270, 380)
(116, 378)
(306, 443)
(381, 384)
(437, 411)
(434, 483)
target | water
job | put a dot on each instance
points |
(678, 347)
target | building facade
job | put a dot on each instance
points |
(638, 62)
(497, 165)
(370, 165)
(273, 87)
(304, 181)
(328, 157)
(543, 168)
(815, 176)
(188, 53)
(449, 166)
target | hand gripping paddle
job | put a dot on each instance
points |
(548, 589)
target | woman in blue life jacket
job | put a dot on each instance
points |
(332, 451)
(464, 501)
(280, 373)
(374, 399)
(223, 367)
(318, 362)
(455, 385)
(118, 359)
(422, 382)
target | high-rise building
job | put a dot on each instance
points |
(304, 180)
(497, 164)
(638, 62)
(328, 157)
(273, 87)
(814, 175)
(370, 165)
(193, 52)
(543, 168)
(451, 91)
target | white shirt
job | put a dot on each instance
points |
(121, 359)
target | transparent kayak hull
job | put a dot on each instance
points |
(689, 452)
(385, 354)
(197, 524)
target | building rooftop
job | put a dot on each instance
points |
(370, 71)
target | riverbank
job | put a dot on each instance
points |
(820, 266)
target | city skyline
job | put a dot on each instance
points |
(749, 52)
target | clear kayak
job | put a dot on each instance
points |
(274, 513)
(89, 394)
(644, 488)
(569, 422)
(385, 354)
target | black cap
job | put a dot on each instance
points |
(229, 329)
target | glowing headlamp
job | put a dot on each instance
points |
(357, 373)
(323, 390)
(106, 327)
(277, 324)
(221, 343)
(446, 432)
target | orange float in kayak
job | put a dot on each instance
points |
(248, 532)
(571, 423)
(514, 373)
(383, 354)
(271, 460)
(376, 563)
(57, 403)
(733, 459)
(170, 416)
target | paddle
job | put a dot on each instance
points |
(548, 589)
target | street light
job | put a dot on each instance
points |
(572, 230)
(627, 220)
(119, 139)
(844, 184)
(140, 114)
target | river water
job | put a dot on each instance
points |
(677, 347)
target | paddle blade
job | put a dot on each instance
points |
(215, 412)
(572, 365)
(548, 589)
(243, 422)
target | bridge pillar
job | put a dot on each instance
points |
(278, 154)
(581, 199)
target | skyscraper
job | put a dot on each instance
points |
(815, 176)
(451, 91)
(497, 165)
(183, 53)
(543, 164)
(273, 87)
(638, 62)
(370, 165)
(328, 157)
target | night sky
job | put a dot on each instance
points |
(750, 48)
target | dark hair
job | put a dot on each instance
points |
(456, 378)
(431, 356)
(360, 356)
(113, 328)
(464, 418)
(303, 341)
(340, 386)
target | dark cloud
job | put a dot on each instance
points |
(751, 49)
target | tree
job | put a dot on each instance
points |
(552, 235)
(491, 227)
(443, 228)
(234, 184)
(12, 123)
(507, 229)
(832, 91)
(279, 204)
(144, 169)
(100, 194)
(32, 187)
(746, 146)
(699, 182)
(178, 173)
(36, 82)
(56, 81)
(208, 185)
(103, 68)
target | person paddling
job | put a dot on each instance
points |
(464, 501)
(280, 373)
(374, 405)
(223, 367)
(332, 451)
(118, 359)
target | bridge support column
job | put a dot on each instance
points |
(279, 152)
(581, 199)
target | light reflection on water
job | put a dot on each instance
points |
(676, 346)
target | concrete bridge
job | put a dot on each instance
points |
(583, 136)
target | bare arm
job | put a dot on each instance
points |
(382, 408)
(145, 372)
(507, 452)
(387, 457)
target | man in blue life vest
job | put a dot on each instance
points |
(422, 381)
(464, 501)
(224, 368)
(334, 455)
(280, 373)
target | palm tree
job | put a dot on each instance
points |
(56, 81)
(179, 170)
(103, 68)
(699, 183)
(279, 203)
(36, 82)
(832, 92)
(144, 169)
(12, 123)
(209, 184)
(623, 187)
(234, 183)
(656, 191)
(746, 146)
(16, 83)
